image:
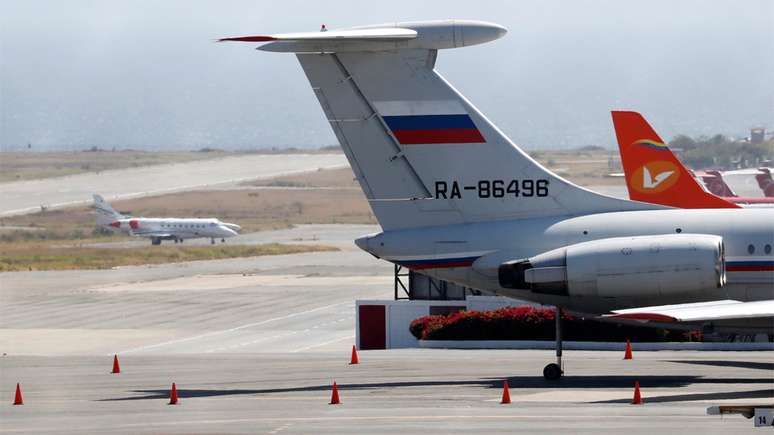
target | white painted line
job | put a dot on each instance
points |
(350, 336)
(226, 331)
(281, 428)
(247, 343)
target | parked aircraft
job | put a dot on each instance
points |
(713, 181)
(765, 182)
(654, 174)
(459, 201)
(750, 182)
(158, 229)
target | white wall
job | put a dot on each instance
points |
(400, 314)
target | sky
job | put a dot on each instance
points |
(147, 74)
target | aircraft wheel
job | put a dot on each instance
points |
(552, 372)
(222, 240)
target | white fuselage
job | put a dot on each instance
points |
(448, 252)
(175, 228)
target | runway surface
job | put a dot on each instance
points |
(254, 344)
(27, 196)
(399, 391)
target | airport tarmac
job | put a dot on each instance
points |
(21, 197)
(395, 391)
(254, 344)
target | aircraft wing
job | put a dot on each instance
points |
(698, 312)
(151, 234)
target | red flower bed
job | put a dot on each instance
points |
(530, 323)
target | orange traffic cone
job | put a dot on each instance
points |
(116, 367)
(354, 359)
(628, 353)
(335, 395)
(506, 394)
(637, 400)
(173, 395)
(17, 400)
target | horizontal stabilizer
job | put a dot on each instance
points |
(425, 35)
(389, 34)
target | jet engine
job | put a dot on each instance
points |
(623, 267)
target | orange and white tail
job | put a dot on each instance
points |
(653, 173)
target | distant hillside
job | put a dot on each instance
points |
(721, 152)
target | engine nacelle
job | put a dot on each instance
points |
(623, 267)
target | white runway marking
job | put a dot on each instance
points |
(226, 331)
(283, 335)
(247, 343)
(349, 336)
(281, 428)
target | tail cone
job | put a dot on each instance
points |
(637, 400)
(506, 394)
(335, 395)
(628, 353)
(173, 395)
(116, 367)
(354, 359)
(17, 400)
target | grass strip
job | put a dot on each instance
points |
(70, 258)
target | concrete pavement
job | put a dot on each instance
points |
(28, 196)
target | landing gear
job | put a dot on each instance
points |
(212, 240)
(553, 371)
(222, 240)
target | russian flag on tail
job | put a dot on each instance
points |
(429, 122)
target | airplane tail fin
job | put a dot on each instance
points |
(765, 182)
(106, 214)
(653, 173)
(714, 182)
(423, 154)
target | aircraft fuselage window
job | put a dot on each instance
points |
(751, 249)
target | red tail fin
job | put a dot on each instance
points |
(653, 173)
